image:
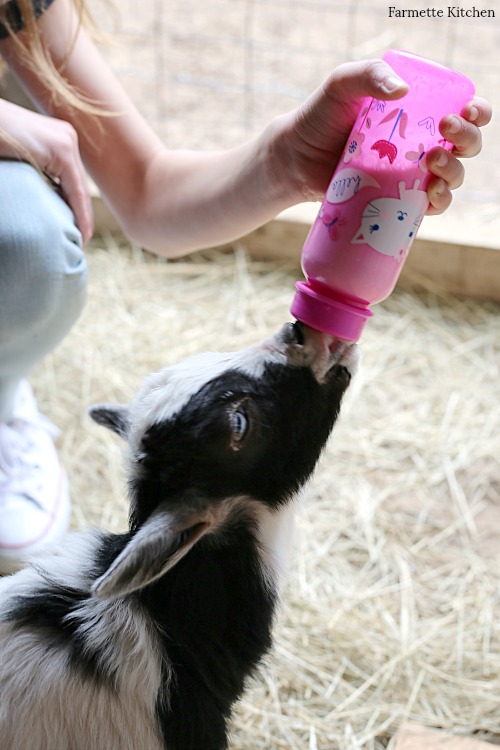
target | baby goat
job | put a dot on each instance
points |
(143, 640)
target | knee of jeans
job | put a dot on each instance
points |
(43, 270)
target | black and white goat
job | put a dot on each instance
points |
(143, 640)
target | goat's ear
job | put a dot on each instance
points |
(113, 416)
(156, 547)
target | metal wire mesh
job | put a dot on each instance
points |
(210, 74)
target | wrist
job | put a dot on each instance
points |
(302, 169)
(285, 182)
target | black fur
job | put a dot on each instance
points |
(291, 418)
(46, 611)
(215, 615)
(214, 610)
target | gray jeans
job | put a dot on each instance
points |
(43, 274)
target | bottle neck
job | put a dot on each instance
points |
(324, 312)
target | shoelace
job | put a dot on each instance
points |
(10, 449)
(18, 465)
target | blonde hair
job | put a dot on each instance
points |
(34, 54)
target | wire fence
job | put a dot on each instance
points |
(208, 75)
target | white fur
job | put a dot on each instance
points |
(44, 704)
(276, 533)
(52, 706)
(165, 393)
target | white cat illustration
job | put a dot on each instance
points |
(389, 225)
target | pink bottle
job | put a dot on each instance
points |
(376, 200)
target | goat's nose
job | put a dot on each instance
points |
(311, 338)
(305, 343)
(293, 334)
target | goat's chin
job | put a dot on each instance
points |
(338, 354)
(343, 354)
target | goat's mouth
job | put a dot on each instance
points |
(304, 346)
(342, 354)
(328, 353)
(337, 348)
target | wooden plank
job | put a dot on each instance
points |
(416, 737)
(456, 267)
(460, 268)
(458, 254)
(104, 221)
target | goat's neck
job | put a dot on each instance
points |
(214, 613)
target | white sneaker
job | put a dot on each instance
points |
(34, 497)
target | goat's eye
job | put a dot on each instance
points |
(239, 425)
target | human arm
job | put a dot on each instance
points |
(175, 201)
(321, 125)
(53, 145)
(167, 201)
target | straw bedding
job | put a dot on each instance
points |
(392, 610)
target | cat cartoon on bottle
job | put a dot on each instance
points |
(389, 225)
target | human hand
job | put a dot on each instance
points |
(448, 172)
(53, 145)
(315, 133)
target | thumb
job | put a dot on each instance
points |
(366, 78)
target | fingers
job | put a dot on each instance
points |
(381, 79)
(464, 134)
(75, 192)
(81, 205)
(53, 145)
(444, 165)
(447, 175)
(65, 164)
(463, 131)
(367, 78)
(439, 196)
(478, 111)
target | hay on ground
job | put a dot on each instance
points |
(392, 612)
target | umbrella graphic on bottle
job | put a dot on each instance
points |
(385, 148)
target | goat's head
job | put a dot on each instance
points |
(219, 433)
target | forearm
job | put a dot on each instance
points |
(168, 201)
(172, 202)
(192, 200)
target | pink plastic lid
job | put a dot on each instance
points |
(328, 315)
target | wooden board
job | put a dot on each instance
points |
(458, 267)
(455, 266)
(415, 737)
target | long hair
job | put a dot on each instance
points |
(34, 54)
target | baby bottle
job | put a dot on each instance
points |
(376, 199)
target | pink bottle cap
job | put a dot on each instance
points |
(328, 315)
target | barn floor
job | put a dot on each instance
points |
(392, 611)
